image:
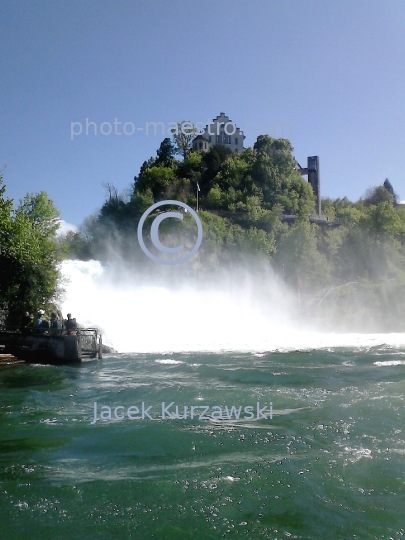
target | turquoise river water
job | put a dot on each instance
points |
(329, 464)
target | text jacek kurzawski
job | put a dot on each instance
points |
(171, 411)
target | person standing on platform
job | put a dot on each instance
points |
(54, 324)
(70, 325)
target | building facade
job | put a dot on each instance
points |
(221, 131)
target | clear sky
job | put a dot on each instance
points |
(333, 71)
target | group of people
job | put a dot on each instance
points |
(52, 327)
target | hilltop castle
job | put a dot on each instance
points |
(221, 131)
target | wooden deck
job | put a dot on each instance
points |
(9, 360)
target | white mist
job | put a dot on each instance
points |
(228, 315)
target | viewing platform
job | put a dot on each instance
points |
(285, 218)
(51, 348)
(320, 220)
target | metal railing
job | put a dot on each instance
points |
(90, 345)
(89, 339)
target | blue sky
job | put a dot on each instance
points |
(333, 71)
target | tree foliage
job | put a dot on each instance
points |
(388, 186)
(28, 254)
(183, 135)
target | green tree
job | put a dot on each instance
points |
(382, 220)
(298, 256)
(378, 195)
(74, 246)
(28, 254)
(165, 153)
(41, 212)
(388, 186)
(183, 135)
(156, 179)
(280, 152)
(215, 198)
(212, 160)
(140, 202)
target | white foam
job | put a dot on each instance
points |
(169, 362)
(157, 318)
(390, 363)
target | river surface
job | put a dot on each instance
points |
(329, 464)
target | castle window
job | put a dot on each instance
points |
(209, 138)
(236, 140)
(200, 143)
(224, 139)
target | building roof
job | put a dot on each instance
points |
(229, 120)
(199, 137)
